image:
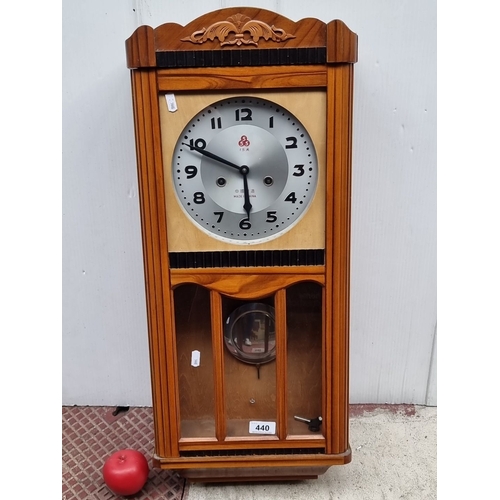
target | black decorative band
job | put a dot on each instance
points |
(240, 57)
(251, 452)
(256, 258)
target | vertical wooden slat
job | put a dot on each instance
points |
(218, 357)
(281, 363)
(339, 437)
(328, 327)
(155, 254)
(141, 109)
(326, 371)
(174, 404)
(349, 70)
(341, 247)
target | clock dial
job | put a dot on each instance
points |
(245, 170)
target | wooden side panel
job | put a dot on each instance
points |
(340, 109)
(328, 328)
(151, 194)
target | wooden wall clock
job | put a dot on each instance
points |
(243, 136)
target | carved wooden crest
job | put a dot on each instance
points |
(239, 30)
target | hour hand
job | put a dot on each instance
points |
(247, 206)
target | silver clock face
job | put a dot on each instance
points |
(245, 170)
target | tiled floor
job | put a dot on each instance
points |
(394, 456)
(91, 434)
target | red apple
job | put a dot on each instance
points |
(125, 472)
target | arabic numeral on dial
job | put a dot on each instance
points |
(292, 143)
(198, 143)
(245, 224)
(216, 122)
(299, 170)
(191, 171)
(291, 197)
(199, 198)
(243, 114)
(219, 216)
(271, 216)
(271, 122)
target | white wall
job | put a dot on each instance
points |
(393, 302)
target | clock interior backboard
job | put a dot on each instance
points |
(309, 106)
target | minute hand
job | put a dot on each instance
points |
(211, 155)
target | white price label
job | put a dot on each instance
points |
(171, 102)
(256, 427)
(195, 359)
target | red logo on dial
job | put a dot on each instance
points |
(244, 142)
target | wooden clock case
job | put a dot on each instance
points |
(193, 281)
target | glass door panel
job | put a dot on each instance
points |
(194, 361)
(249, 367)
(304, 358)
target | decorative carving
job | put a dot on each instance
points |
(237, 27)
